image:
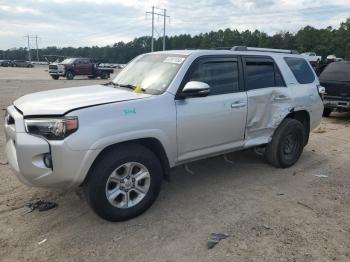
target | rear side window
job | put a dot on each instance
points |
(222, 77)
(262, 73)
(301, 70)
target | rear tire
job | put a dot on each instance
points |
(69, 75)
(326, 112)
(113, 189)
(287, 144)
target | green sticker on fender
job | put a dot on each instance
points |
(129, 111)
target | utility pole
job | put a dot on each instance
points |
(164, 17)
(164, 29)
(37, 50)
(29, 56)
(152, 42)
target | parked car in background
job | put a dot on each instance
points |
(40, 63)
(6, 63)
(336, 79)
(22, 63)
(164, 109)
(71, 67)
(312, 57)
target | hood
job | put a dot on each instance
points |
(60, 101)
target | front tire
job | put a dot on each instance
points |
(55, 77)
(124, 183)
(69, 75)
(287, 144)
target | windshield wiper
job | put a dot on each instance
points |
(121, 85)
(127, 86)
(110, 83)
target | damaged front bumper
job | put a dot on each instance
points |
(26, 155)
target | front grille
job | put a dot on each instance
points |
(53, 67)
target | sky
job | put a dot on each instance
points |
(95, 22)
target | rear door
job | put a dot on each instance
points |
(215, 123)
(86, 66)
(269, 99)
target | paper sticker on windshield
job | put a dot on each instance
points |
(174, 60)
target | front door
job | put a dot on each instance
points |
(215, 123)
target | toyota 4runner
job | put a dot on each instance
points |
(119, 140)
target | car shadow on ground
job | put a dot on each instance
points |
(339, 118)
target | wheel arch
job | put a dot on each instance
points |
(151, 143)
(69, 70)
(303, 117)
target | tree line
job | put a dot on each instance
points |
(322, 41)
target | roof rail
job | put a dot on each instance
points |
(258, 49)
(221, 48)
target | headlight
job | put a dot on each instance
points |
(52, 128)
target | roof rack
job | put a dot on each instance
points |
(221, 48)
(258, 49)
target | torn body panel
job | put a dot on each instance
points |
(267, 108)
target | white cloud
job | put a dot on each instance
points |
(91, 22)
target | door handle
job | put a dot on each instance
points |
(280, 98)
(238, 104)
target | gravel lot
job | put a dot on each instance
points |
(269, 214)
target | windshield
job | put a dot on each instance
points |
(152, 72)
(336, 71)
(68, 61)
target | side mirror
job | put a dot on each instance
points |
(195, 89)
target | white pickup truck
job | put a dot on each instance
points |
(312, 57)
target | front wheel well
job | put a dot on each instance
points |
(303, 117)
(152, 144)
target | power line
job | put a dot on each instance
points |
(165, 16)
(36, 45)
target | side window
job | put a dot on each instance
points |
(222, 77)
(262, 73)
(278, 77)
(301, 70)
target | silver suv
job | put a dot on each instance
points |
(120, 140)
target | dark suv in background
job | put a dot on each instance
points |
(336, 79)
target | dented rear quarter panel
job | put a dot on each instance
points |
(267, 107)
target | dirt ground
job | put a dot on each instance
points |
(296, 214)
